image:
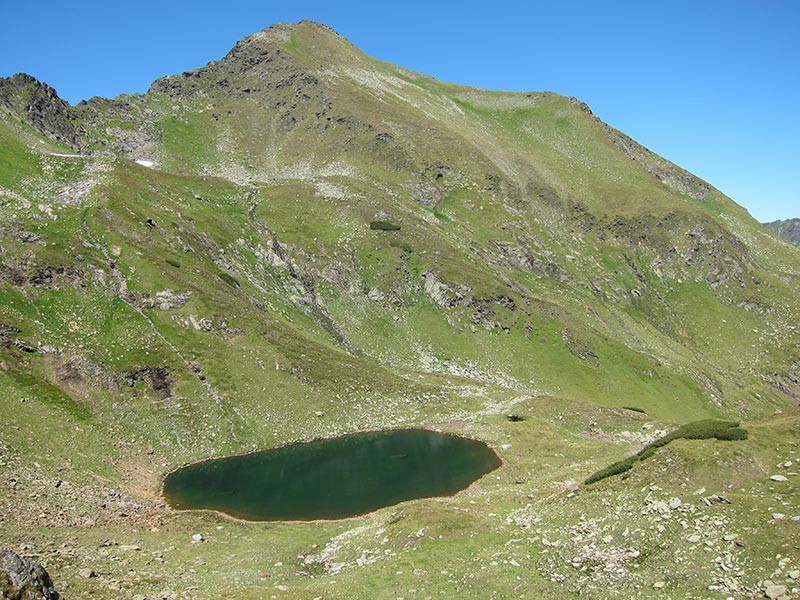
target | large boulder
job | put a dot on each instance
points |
(22, 579)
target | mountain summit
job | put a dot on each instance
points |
(260, 63)
(300, 241)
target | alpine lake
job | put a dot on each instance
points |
(333, 478)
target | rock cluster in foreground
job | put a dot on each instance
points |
(22, 579)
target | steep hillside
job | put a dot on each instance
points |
(202, 270)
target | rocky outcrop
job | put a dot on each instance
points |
(27, 272)
(124, 125)
(440, 293)
(786, 381)
(432, 184)
(165, 300)
(788, 229)
(22, 579)
(71, 370)
(255, 66)
(38, 105)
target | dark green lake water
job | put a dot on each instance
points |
(332, 479)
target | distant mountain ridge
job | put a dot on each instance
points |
(788, 229)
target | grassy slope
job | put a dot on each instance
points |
(342, 325)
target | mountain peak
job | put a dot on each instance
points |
(261, 60)
(319, 26)
(39, 105)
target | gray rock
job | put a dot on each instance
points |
(23, 579)
(660, 507)
(775, 591)
(442, 295)
(87, 573)
(715, 499)
(778, 478)
(166, 300)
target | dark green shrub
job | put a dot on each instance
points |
(618, 467)
(711, 428)
(229, 279)
(634, 409)
(174, 263)
(699, 430)
(383, 226)
(646, 452)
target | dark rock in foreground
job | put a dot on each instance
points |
(21, 579)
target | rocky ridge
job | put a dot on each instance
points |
(38, 105)
(788, 229)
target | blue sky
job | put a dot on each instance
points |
(711, 85)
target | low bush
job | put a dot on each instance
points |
(699, 430)
(229, 279)
(618, 467)
(710, 428)
(384, 226)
